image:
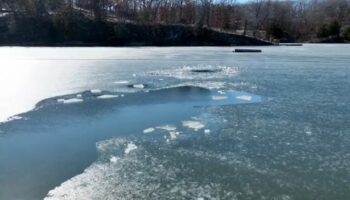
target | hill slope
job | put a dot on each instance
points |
(81, 31)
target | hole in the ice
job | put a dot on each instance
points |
(138, 86)
(206, 70)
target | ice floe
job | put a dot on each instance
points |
(70, 101)
(107, 96)
(16, 117)
(113, 159)
(244, 98)
(218, 98)
(196, 125)
(120, 82)
(149, 130)
(167, 127)
(173, 135)
(207, 131)
(308, 131)
(221, 92)
(60, 100)
(139, 86)
(131, 147)
(110, 144)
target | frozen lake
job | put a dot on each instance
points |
(175, 123)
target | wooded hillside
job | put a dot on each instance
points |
(285, 21)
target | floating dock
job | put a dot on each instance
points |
(247, 51)
(291, 44)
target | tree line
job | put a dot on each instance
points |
(292, 20)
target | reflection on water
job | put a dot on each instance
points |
(267, 126)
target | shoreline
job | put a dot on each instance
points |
(156, 46)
